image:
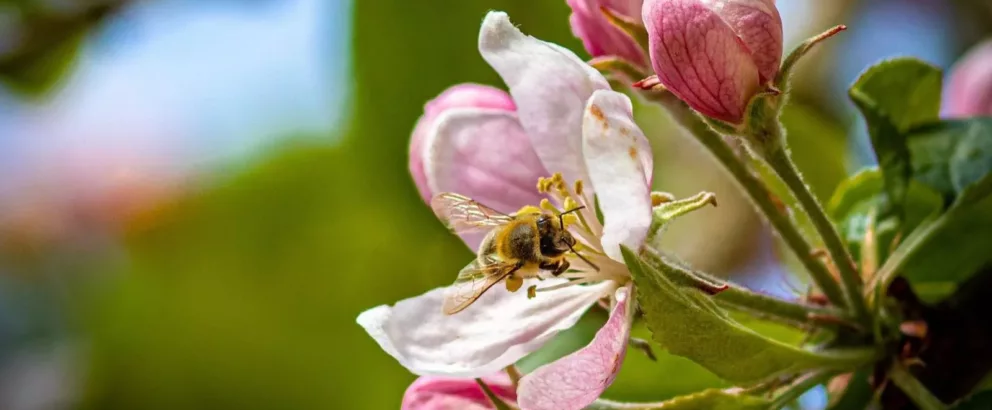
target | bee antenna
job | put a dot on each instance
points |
(561, 218)
(583, 258)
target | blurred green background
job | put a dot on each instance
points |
(197, 198)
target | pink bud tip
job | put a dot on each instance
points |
(714, 54)
(969, 88)
(598, 35)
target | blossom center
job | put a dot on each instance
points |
(575, 205)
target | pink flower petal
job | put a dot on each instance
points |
(458, 96)
(448, 393)
(496, 331)
(759, 25)
(550, 86)
(601, 38)
(620, 165)
(575, 381)
(969, 88)
(699, 58)
(483, 154)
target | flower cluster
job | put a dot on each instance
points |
(549, 182)
(560, 126)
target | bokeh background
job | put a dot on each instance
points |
(197, 197)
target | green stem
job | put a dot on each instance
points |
(740, 298)
(756, 190)
(916, 391)
(849, 277)
(802, 385)
(909, 246)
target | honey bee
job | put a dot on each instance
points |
(516, 247)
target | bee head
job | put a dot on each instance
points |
(555, 238)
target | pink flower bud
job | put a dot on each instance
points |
(598, 35)
(448, 393)
(714, 54)
(458, 96)
(969, 88)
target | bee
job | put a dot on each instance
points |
(516, 247)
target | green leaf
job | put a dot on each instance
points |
(951, 155)
(713, 399)
(905, 90)
(688, 323)
(948, 249)
(895, 96)
(857, 206)
(955, 158)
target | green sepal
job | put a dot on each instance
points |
(761, 129)
(666, 212)
(713, 399)
(688, 323)
(785, 72)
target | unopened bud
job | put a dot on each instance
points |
(714, 54)
(969, 90)
(601, 37)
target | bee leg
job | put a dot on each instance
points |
(556, 268)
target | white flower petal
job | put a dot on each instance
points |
(485, 155)
(550, 86)
(496, 331)
(620, 163)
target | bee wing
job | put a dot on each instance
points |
(472, 282)
(462, 214)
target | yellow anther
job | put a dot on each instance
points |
(658, 198)
(578, 187)
(570, 219)
(543, 184)
(529, 209)
(531, 291)
(570, 204)
(548, 206)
